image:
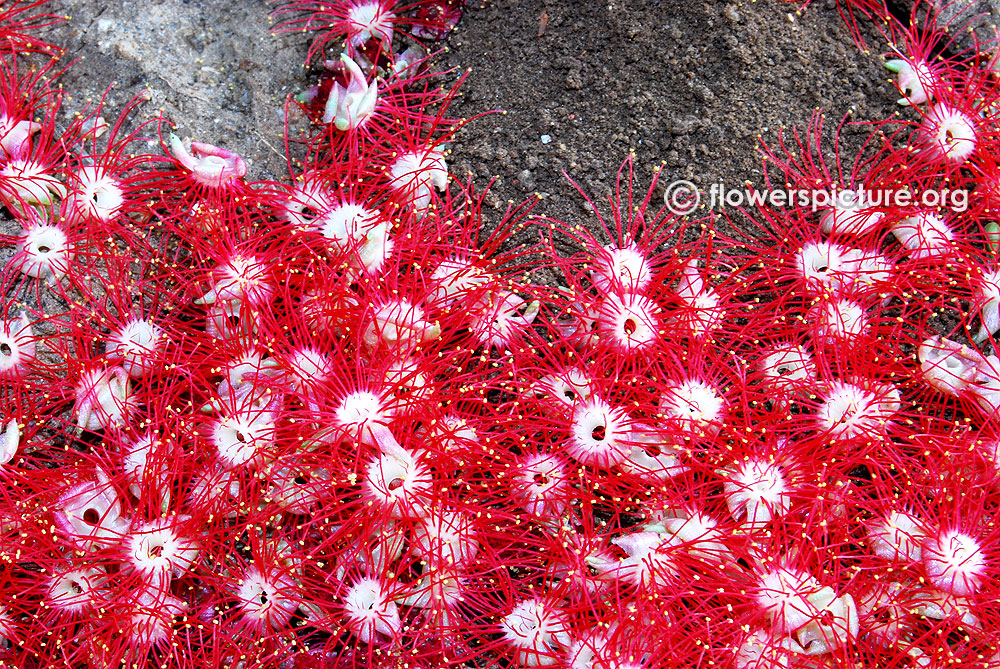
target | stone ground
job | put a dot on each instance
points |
(211, 66)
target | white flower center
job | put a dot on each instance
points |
(135, 346)
(371, 610)
(370, 20)
(155, 549)
(697, 407)
(399, 483)
(445, 539)
(838, 320)
(76, 590)
(101, 196)
(850, 411)
(244, 437)
(621, 269)
(599, 434)
(266, 601)
(924, 235)
(821, 266)
(756, 492)
(44, 252)
(628, 321)
(850, 216)
(539, 632)
(897, 537)
(955, 562)
(948, 134)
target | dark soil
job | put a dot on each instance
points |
(694, 85)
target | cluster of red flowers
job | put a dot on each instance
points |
(332, 423)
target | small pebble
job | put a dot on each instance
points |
(546, 139)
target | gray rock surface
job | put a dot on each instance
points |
(212, 66)
(981, 16)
